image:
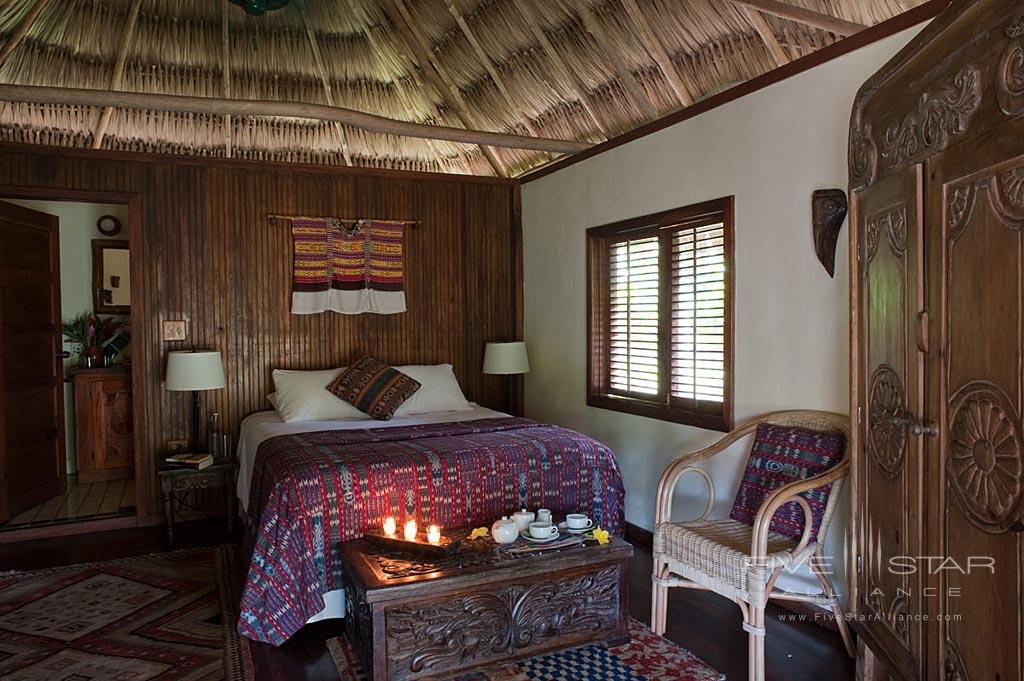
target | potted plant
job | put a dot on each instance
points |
(92, 333)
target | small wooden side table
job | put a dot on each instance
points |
(181, 481)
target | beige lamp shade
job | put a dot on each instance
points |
(506, 358)
(194, 370)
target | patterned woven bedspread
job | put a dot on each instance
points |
(312, 490)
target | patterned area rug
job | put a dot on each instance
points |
(167, 616)
(646, 658)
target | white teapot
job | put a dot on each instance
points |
(505, 531)
(523, 519)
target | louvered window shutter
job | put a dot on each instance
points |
(698, 316)
(661, 315)
(633, 316)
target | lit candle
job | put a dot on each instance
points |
(390, 527)
(410, 531)
(434, 534)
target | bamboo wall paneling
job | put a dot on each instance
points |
(207, 253)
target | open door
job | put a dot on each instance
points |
(32, 467)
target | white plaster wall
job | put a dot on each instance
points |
(770, 149)
(77, 230)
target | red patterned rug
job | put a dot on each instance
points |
(645, 658)
(163, 617)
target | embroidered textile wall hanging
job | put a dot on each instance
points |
(348, 268)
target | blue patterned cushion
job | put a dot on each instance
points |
(781, 455)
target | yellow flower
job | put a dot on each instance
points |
(601, 535)
(479, 532)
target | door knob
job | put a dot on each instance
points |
(64, 354)
(916, 428)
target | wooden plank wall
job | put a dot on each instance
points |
(206, 253)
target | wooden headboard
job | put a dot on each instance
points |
(204, 251)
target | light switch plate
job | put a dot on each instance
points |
(174, 330)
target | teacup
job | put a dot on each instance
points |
(544, 515)
(543, 530)
(577, 521)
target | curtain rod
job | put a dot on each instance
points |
(275, 216)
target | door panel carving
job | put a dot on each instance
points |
(890, 291)
(981, 288)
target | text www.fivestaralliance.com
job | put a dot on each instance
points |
(803, 617)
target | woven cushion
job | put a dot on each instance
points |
(716, 553)
(374, 388)
(781, 455)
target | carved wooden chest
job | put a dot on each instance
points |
(410, 620)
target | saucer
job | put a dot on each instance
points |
(533, 539)
(582, 530)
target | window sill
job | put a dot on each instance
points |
(662, 412)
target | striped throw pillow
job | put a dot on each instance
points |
(781, 455)
(374, 388)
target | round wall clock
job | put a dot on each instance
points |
(109, 225)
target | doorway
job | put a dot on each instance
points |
(67, 456)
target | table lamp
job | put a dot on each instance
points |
(508, 359)
(194, 370)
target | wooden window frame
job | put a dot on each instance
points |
(662, 407)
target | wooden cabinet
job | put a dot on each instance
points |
(937, 289)
(104, 448)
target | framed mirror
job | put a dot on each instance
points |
(111, 277)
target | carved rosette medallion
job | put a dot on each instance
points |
(985, 468)
(938, 119)
(887, 439)
(431, 637)
(953, 663)
(1010, 76)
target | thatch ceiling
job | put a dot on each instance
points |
(542, 68)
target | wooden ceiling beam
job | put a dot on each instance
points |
(403, 22)
(579, 89)
(118, 75)
(254, 107)
(22, 30)
(764, 30)
(492, 71)
(803, 15)
(626, 76)
(325, 80)
(225, 76)
(657, 50)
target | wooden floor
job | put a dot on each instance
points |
(707, 625)
(80, 502)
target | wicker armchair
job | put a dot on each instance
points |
(736, 560)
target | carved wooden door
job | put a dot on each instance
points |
(32, 466)
(889, 365)
(976, 243)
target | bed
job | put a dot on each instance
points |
(306, 486)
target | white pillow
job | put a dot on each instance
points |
(439, 390)
(303, 396)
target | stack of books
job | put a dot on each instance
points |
(196, 461)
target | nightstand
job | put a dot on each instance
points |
(179, 482)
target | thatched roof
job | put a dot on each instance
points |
(547, 68)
